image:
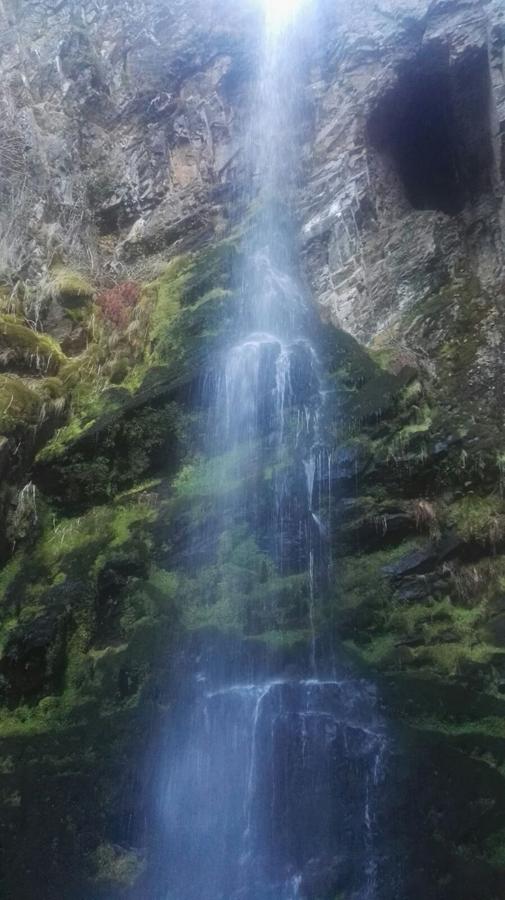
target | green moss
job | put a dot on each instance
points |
(164, 296)
(194, 333)
(29, 402)
(111, 454)
(478, 518)
(495, 847)
(432, 617)
(284, 638)
(242, 591)
(412, 437)
(117, 866)
(9, 572)
(384, 356)
(177, 322)
(213, 267)
(70, 288)
(105, 527)
(489, 726)
(443, 633)
(63, 437)
(202, 482)
(213, 477)
(376, 650)
(188, 306)
(27, 349)
(135, 377)
(165, 583)
(18, 403)
(73, 553)
(181, 306)
(86, 389)
(446, 659)
(362, 579)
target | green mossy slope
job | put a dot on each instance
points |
(100, 590)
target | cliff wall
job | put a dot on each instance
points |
(122, 214)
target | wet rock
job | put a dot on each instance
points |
(390, 526)
(348, 463)
(496, 629)
(414, 589)
(33, 658)
(116, 573)
(324, 878)
(110, 453)
(414, 563)
(424, 560)
(379, 236)
(4, 453)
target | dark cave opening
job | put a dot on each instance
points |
(434, 126)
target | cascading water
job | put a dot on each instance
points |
(270, 794)
(270, 780)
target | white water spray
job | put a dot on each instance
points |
(272, 781)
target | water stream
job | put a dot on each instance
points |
(272, 789)
(270, 783)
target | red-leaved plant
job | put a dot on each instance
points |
(117, 303)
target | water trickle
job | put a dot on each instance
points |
(310, 474)
(25, 515)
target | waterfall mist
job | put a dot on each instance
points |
(269, 774)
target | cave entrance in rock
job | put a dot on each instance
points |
(433, 127)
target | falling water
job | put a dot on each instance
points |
(270, 783)
(272, 789)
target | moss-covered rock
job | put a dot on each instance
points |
(29, 402)
(70, 289)
(85, 633)
(24, 350)
(116, 866)
(93, 603)
(117, 451)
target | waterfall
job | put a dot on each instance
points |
(270, 779)
(271, 790)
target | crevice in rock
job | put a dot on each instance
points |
(433, 128)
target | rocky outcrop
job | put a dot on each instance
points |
(404, 169)
(121, 125)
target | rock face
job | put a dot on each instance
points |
(404, 187)
(122, 209)
(122, 133)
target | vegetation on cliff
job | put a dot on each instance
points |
(98, 588)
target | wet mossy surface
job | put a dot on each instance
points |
(117, 451)
(91, 608)
(100, 590)
(418, 581)
(26, 350)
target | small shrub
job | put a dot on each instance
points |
(117, 865)
(117, 303)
